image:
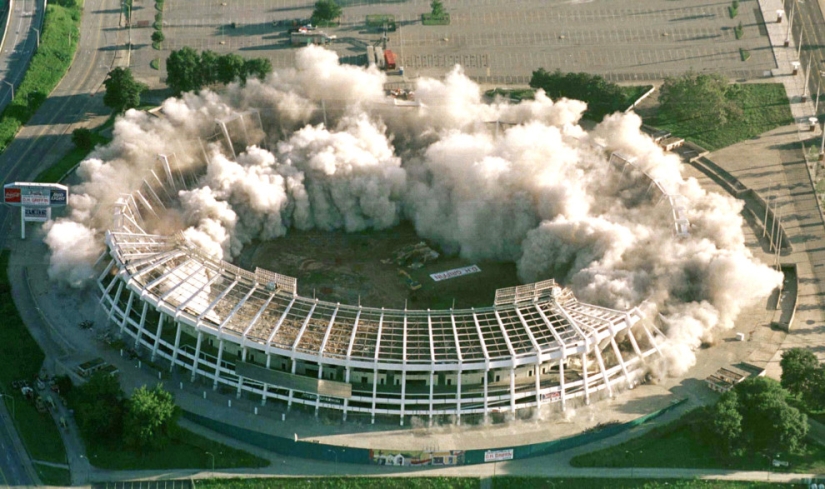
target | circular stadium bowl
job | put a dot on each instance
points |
(250, 332)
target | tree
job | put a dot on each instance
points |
(158, 36)
(438, 11)
(697, 96)
(325, 11)
(231, 68)
(98, 406)
(257, 68)
(725, 423)
(183, 70)
(209, 67)
(769, 423)
(151, 418)
(798, 365)
(122, 90)
(601, 96)
(82, 138)
(814, 397)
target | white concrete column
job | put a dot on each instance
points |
(176, 349)
(513, 391)
(486, 376)
(374, 393)
(142, 324)
(600, 360)
(458, 397)
(157, 336)
(217, 366)
(584, 379)
(318, 396)
(263, 396)
(116, 301)
(432, 382)
(346, 401)
(197, 355)
(561, 383)
(403, 391)
(537, 375)
(127, 312)
(292, 371)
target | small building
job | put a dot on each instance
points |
(726, 378)
(671, 143)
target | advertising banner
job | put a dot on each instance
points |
(456, 272)
(25, 194)
(498, 455)
(35, 214)
(11, 195)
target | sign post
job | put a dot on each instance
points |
(35, 200)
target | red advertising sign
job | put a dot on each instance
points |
(11, 195)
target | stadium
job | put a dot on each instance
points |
(252, 333)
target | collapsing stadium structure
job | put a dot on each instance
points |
(252, 333)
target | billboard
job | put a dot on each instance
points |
(39, 195)
(36, 214)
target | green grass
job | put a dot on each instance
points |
(188, 451)
(378, 21)
(57, 47)
(676, 445)
(343, 483)
(155, 64)
(428, 19)
(764, 107)
(21, 358)
(744, 54)
(500, 482)
(511, 482)
(53, 476)
(54, 173)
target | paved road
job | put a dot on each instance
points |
(15, 468)
(76, 99)
(19, 46)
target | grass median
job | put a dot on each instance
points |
(21, 359)
(58, 43)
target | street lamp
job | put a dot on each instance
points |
(213, 460)
(12, 403)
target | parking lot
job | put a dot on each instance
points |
(496, 42)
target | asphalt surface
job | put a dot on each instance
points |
(77, 98)
(12, 471)
(20, 45)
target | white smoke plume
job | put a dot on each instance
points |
(491, 181)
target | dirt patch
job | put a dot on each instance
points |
(348, 268)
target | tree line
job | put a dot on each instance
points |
(189, 71)
(602, 96)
